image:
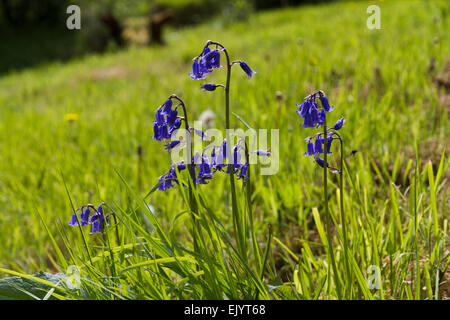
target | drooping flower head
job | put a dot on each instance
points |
(339, 124)
(309, 110)
(205, 63)
(166, 121)
(84, 218)
(247, 69)
(98, 221)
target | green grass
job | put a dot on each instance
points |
(396, 208)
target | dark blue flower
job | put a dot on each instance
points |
(247, 69)
(263, 152)
(84, 218)
(156, 132)
(204, 172)
(209, 86)
(172, 144)
(311, 117)
(98, 221)
(236, 160)
(159, 117)
(309, 149)
(318, 145)
(325, 104)
(217, 162)
(170, 178)
(171, 117)
(224, 149)
(210, 60)
(320, 162)
(303, 108)
(196, 74)
(243, 172)
(167, 107)
(164, 132)
(329, 141)
(338, 125)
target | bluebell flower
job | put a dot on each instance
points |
(224, 149)
(156, 132)
(167, 107)
(205, 63)
(210, 60)
(263, 152)
(164, 132)
(98, 221)
(320, 117)
(309, 110)
(172, 144)
(204, 172)
(171, 117)
(311, 117)
(170, 178)
(217, 162)
(159, 117)
(84, 218)
(209, 86)
(318, 145)
(196, 74)
(243, 172)
(176, 126)
(329, 141)
(247, 69)
(320, 162)
(236, 159)
(310, 151)
(200, 133)
(338, 125)
(325, 104)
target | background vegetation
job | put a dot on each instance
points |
(390, 84)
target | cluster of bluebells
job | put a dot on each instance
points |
(209, 60)
(314, 117)
(166, 122)
(97, 220)
(205, 165)
(208, 163)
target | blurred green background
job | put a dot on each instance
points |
(80, 104)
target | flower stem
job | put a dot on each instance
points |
(327, 214)
(191, 170)
(344, 224)
(235, 210)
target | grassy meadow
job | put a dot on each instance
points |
(396, 141)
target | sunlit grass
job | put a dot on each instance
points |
(379, 79)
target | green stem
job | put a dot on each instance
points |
(327, 214)
(191, 170)
(235, 211)
(344, 225)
